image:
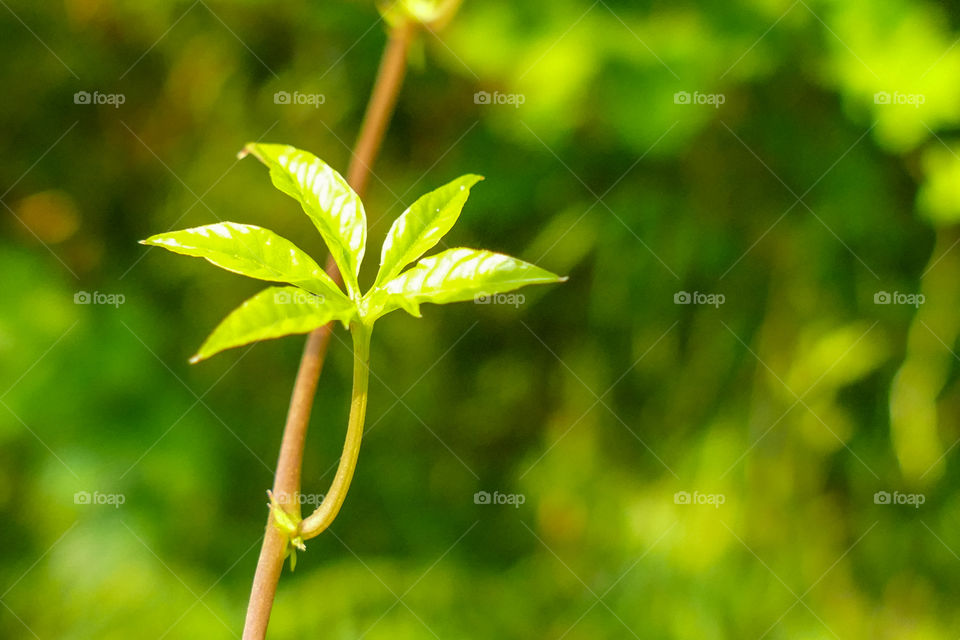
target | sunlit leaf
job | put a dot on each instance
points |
(327, 199)
(272, 313)
(454, 276)
(433, 13)
(251, 251)
(420, 227)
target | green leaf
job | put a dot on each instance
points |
(434, 14)
(251, 251)
(420, 227)
(334, 208)
(272, 313)
(454, 276)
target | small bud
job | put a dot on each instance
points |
(283, 520)
(290, 527)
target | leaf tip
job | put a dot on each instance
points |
(410, 306)
(471, 181)
(194, 359)
(251, 148)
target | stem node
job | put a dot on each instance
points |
(287, 481)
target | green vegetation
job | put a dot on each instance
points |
(454, 275)
(770, 455)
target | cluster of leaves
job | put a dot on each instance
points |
(310, 298)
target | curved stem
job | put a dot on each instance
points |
(321, 518)
(287, 481)
(286, 485)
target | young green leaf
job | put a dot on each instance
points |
(456, 275)
(334, 208)
(251, 251)
(434, 14)
(272, 313)
(420, 227)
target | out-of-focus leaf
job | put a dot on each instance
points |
(433, 13)
(251, 251)
(334, 208)
(422, 225)
(939, 196)
(456, 275)
(272, 313)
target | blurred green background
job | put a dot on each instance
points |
(826, 184)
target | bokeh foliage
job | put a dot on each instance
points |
(799, 199)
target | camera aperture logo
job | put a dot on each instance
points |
(912, 299)
(912, 99)
(912, 499)
(111, 299)
(485, 497)
(296, 98)
(97, 498)
(712, 99)
(512, 299)
(513, 99)
(698, 297)
(697, 498)
(112, 99)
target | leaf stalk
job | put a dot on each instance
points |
(324, 514)
(287, 479)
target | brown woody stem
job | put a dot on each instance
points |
(286, 484)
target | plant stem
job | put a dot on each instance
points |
(321, 518)
(286, 484)
(393, 67)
